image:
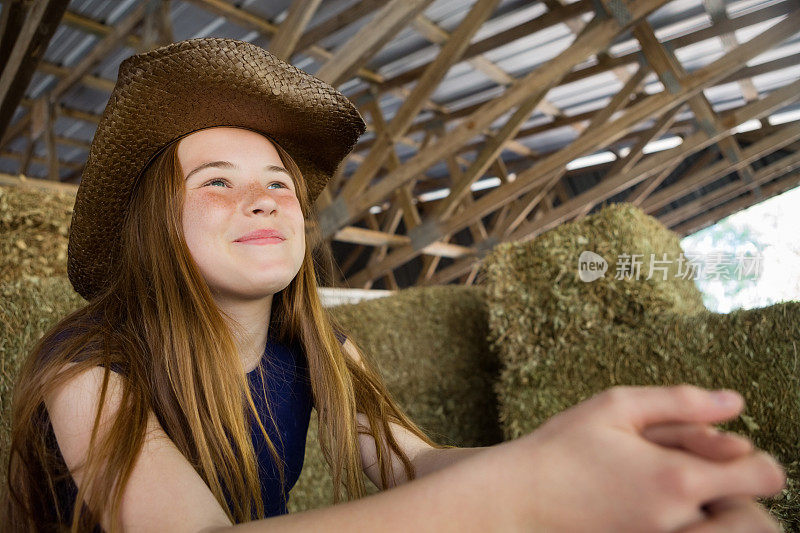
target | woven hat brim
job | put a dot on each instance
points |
(187, 86)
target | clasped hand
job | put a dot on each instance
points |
(638, 459)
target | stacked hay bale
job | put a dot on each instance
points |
(34, 225)
(34, 290)
(430, 346)
(28, 308)
(561, 339)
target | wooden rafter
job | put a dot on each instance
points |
(598, 34)
(709, 217)
(284, 42)
(100, 50)
(430, 79)
(541, 174)
(357, 51)
(374, 208)
(25, 33)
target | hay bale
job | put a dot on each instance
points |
(34, 227)
(34, 290)
(314, 488)
(555, 299)
(559, 343)
(28, 308)
(430, 347)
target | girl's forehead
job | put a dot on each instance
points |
(227, 144)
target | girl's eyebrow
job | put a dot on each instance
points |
(229, 165)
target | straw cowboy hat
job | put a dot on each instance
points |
(169, 92)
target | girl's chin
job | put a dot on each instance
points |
(254, 286)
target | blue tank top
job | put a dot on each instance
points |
(288, 390)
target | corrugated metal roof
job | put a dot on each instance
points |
(463, 86)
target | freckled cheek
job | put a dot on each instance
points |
(205, 215)
(289, 207)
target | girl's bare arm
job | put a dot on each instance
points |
(593, 452)
(165, 493)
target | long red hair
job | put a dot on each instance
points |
(158, 322)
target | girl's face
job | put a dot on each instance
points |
(236, 184)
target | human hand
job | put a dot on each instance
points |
(591, 467)
(733, 514)
(703, 440)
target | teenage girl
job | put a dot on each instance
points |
(179, 398)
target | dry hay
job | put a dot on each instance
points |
(28, 309)
(314, 488)
(562, 340)
(34, 290)
(430, 347)
(34, 226)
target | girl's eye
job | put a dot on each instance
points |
(225, 183)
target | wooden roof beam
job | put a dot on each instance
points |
(350, 57)
(89, 80)
(520, 165)
(657, 103)
(645, 188)
(337, 22)
(284, 42)
(607, 188)
(369, 237)
(731, 190)
(100, 50)
(625, 164)
(490, 152)
(246, 19)
(523, 207)
(451, 272)
(402, 196)
(786, 135)
(26, 32)
(87, 25)
(157, 26)
(716, 10)
(620, 100)
(435, 34)
(525, 29)
(389, 279)
(449, 54)
(575, 25)
(712, 31)
(745, 72)
(599, 33)
(572, 10)
(671, 73)
(44, 161)
(390, 223)
(711, 217)
(466, 263)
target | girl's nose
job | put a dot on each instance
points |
(259, 199)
